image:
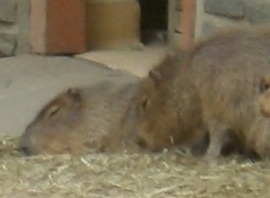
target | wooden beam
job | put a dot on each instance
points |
(187, 23)
(171, 20)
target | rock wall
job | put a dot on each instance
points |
(213, 15)
(14, 27)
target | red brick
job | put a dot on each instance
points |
(58, 26)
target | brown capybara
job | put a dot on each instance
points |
(168, 110)
(165, 117)
(226, 70)
(79, 119)
(264, 97)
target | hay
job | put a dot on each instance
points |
(169, 174)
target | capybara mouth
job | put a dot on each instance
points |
(141, 143)
(153, 149)
(24, 150)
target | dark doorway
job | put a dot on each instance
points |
(154, 21)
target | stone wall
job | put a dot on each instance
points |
(213, 15)
(14, 26)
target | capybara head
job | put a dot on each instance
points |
(55, 129)
(157, 120)
(264, 97)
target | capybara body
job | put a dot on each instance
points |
(80, 119)
(213, 87)
(226, 70)
(167, 117)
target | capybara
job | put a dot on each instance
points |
(167, 117)
(80, 119)
(226, 70)
(213, 87)
(168, 110)
(264, 97)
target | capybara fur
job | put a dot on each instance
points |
(264, 97)
(79, 120)
(227, 69)
(168, 115)
(168, 110)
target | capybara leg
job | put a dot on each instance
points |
(200, 147)
(219, 136)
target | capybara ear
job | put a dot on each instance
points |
(263, 85)
(74, 94)
(155, 76)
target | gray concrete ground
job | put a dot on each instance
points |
(27, 82)
(137, 62)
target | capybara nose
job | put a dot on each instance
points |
(25, 150)
(141, 143)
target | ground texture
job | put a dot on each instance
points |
(169, 174)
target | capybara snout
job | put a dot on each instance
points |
(24, 145)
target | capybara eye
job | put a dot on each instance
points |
(54, 111)
(264, 85)
(155, 76)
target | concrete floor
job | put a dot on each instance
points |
(137, 62)
(27, 82)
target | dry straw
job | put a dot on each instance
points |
(168, 174)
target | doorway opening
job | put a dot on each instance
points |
(154, 21)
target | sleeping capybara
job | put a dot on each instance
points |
(264, 97)
(226, 70)
(79, 119)
(167, 117)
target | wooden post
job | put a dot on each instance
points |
(171, 20)
(58, 26)
(187, 23)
